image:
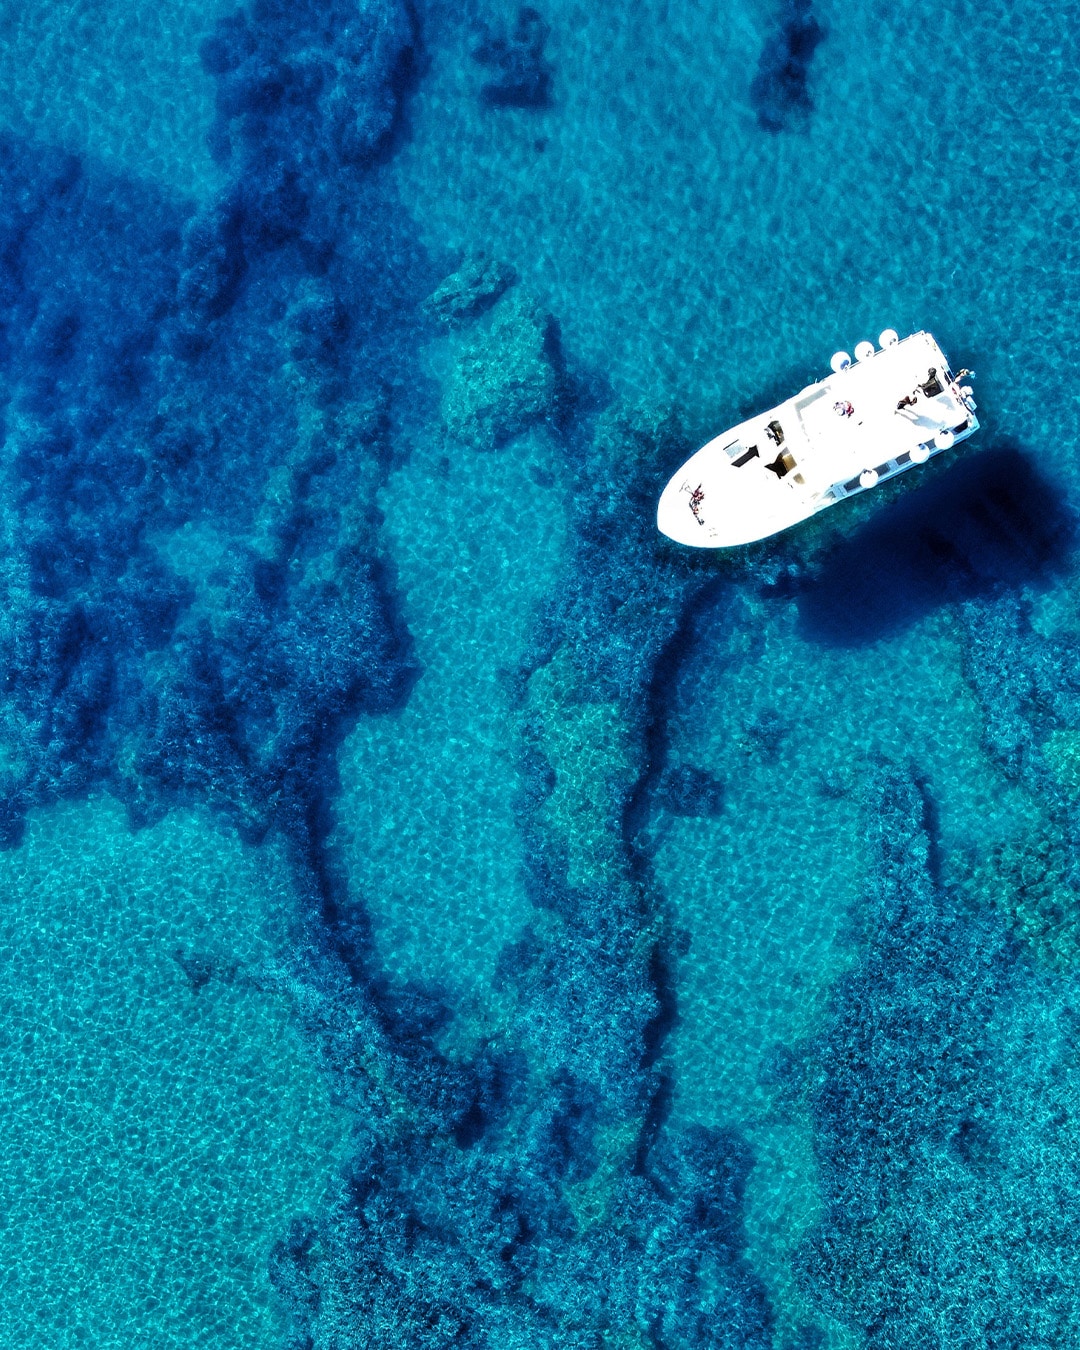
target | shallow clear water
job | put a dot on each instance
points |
(364, 976)
(426, 825)
(157, 1135)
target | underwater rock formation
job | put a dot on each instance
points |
(193, 594)
(1034, 880)
(521, 76)
(506, 377)
(302, 83)
(473, 288)
(946, 1117)
(1028, 688)
(1027, 685)
(485, 1195)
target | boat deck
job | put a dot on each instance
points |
(875, 418)
(839, 447)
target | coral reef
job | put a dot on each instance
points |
(593, 761)
(299, 86)
(216, 350)
(1028, 688)
(200, 408)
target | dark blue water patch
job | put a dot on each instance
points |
(946, 1116)
(292, 1267)
(87, 265)
(686, 790)
(143, 350)
(779, 92)
(212, 266)
(301, 86)
(1027, 684)
(990, 523)
(520, 76)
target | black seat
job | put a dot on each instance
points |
(752, 453)
(933, 385)
(782, 465)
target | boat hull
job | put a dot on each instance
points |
(895, 410)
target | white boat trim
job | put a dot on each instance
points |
(895, 408)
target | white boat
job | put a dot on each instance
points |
(895, 406)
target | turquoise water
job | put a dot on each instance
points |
(371, 975)
(157, 1135)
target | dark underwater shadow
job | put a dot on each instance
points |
(779, 92)
(992, 521)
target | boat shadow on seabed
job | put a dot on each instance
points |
(990, 522)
